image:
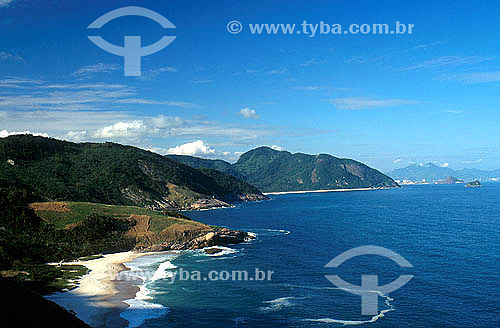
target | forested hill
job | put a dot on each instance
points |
(113, 174)
(272, 170)
(216, 164)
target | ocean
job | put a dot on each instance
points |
(449, 234)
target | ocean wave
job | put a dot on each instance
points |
(143, 294)
(277, 304)
(252, 236)
(224, 251)
(270, 232)
(162, 271)
(139, 311)
(381, 314)
(144, 269)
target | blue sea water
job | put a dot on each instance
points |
(450, 234)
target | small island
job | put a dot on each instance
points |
(473, 184)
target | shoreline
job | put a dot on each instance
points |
(322, 190)
(99, 298)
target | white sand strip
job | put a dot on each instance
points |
(95, 288)
(324, 190)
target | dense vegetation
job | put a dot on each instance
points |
(215, 164)
(108, 173)
(27, 241)
(232, 184)
(271, 170)
(78, 210)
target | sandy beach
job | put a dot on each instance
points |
(324, 190)
(98, 300)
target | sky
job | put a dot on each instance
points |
(387, 100)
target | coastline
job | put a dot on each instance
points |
(99, 298)
(322, 190)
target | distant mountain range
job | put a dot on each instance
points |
(432, 173)
(271, 170)
(110, 173)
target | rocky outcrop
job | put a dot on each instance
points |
(252, 197)
(203, 204)
(473, 184)
(201, 239)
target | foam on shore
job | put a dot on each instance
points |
(381, 314)
(147, 271)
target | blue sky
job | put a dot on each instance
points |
(386, 100)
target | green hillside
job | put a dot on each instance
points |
(111, 173)
(200, 163)
(272, 170)
(35, 233)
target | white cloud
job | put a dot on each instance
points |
(248, 113)
(4, 55)
(152, 73)
(74, 96)
(197, 147)
(444, 164)
(452, 111)
(313, 61)
(446, 61)
(309, 88)
(202, 81)
(76, 135)
(89, 70)
(278, 148)
(169, 126)
(476, 161)
(355, 60)
(164, 122)
(18, 83)
(131, 129)
(355, 103)
(119, 125)
(140, 101)
(428, 45)
(4, 133)
(399, 160)
(278, 71)
(475, 77)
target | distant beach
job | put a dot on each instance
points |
(323, 190)
(98, 300)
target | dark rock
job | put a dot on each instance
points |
(201, 239)
(213, 250)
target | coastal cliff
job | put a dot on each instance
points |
(35, 233)
(142, 230)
